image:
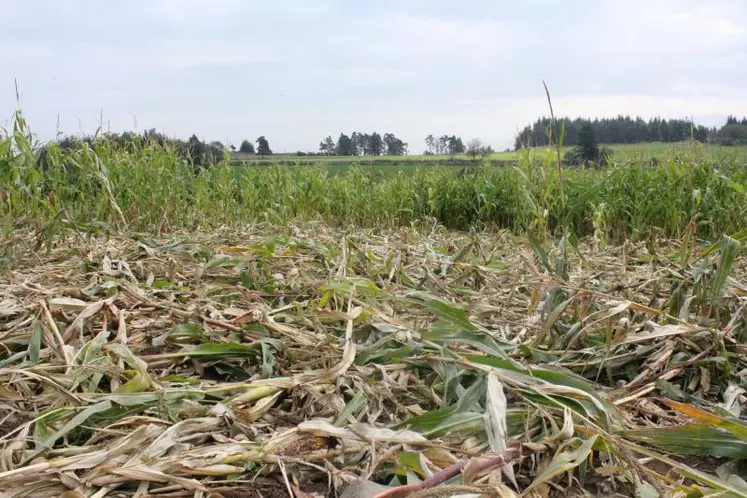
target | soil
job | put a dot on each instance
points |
(268, 488)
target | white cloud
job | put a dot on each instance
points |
(728, 28)
(185, 54)
(297, 70)
(645, 106)
(449, 43)
(182, 12)
(670, 27)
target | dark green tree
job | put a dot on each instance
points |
(442, 144)
(621, 129)
(374, 144)
(263, 146)
(345, 146)
(197, 151)
(588, 150)
(327, 146)
(360, 140)
(733, 134)
(246, 147)
(455, 145)
(193, 150)
(394, 146)
(430, 144)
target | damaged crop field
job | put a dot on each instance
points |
(179, 340)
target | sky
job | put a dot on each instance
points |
(299, 70)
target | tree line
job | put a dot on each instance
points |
(194, 150)
(388, 144)
(363, 144)
(619, 130)
(444, 144)
(734, 132)
(263, 147)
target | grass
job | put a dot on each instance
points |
(250, 158)
(167, 331)
(150, 188)
(621, 152)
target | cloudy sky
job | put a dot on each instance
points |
(298, 70)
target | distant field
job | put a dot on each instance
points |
(658, 149)
(621, 151)
(444, 158)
